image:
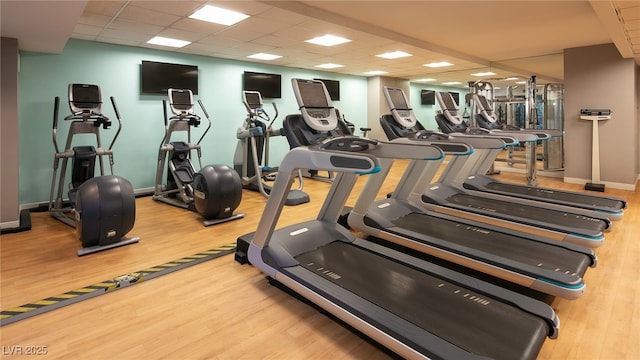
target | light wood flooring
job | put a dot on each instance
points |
(223, 310)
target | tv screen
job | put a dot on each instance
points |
(428, 97)
(158, 77)
(333, 87)
(267, 84)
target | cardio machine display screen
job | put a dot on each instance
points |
(313, 94)
(85, 96)
(397, 99)
(181, 99)
(253, 99)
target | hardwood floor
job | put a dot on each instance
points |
(223, 310)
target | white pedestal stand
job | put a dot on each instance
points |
(595, 116)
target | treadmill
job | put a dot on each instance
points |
(414, 308)
(456, 201)
(611, 207)
(535, 262)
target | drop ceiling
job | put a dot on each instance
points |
(510, 38)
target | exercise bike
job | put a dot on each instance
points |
(101, 208)
(253, 147)
(215, 191)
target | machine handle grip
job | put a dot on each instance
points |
(56, 107)
(115, 107)
(164, 108)
(203, 109)
(275, 116)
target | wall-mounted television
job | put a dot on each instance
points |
(333, 87)
(427, 97)
(158, 77)
(456, 97)
(269, 85)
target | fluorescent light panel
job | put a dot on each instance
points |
(452, 83)
(263, 56)
(394, 55)
(329, 66)
(218, 15)
(486, 73)
(328, 40)
(438, 64)
(159, 40)
(375, 72)
(425, 80)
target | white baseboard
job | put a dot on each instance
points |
(614, 185)
(10, 224)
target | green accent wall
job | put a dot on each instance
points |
(116, 69)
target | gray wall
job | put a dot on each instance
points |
(376, 103)
(598, 77)
(9, 188)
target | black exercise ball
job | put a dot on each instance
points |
(217, 191)
(105, 210)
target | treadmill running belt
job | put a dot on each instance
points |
(476, 323)
(531, 252)
(587, 200)
(559, 218)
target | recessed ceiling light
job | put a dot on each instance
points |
(218, 15)
(438, 64)
(521, 82)
(425, 80)
(328, 40)
(263, 56)
(375, 72)
(329, 66)
(452, 83)
(511, 78)
(486, 73)
(394, 55)
(159, 40)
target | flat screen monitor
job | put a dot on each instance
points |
(268, 85)
(428, 97)
(397, 99)
(159, 77)
(333, 87)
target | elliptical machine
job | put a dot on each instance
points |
(215, 191)
(101, 208)
(253, 147)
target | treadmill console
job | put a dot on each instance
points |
(399, 106)
(315, 104)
